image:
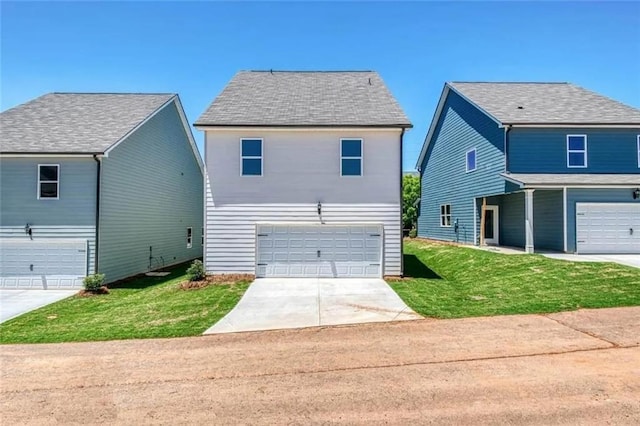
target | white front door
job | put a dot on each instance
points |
(491, 225)
(312, 250)
(608, 228)
(42, 264)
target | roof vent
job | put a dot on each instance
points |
(520, 107)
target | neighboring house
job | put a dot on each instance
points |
(304, 176)
(108, 183)
(556, 166)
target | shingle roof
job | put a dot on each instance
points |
(75, 122)
(299, 98)
(546, 103)
(541, 179)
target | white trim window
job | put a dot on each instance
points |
(189, 237)
(251, 157)
(471, 158)
(445, 215)
(202, 236)
(351, 157)
(48, 181)
(638, 151)
(576, 151)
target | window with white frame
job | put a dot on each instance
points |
(445, 215)
(471, 160)
(202, 237)
(251, 157)
(48, 181)
(189, 237)
(350, 157)
(639, 151)
(576, 150)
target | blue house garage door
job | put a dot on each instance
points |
(42, 264)
(608, 228)
(338, 251)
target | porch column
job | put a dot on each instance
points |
(528, 219)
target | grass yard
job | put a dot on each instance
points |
(451, 282)
(143, 308)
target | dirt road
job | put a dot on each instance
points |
(581, 367)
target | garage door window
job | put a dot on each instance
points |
(251, 153)
(576, 151)
(351, 157)
(48, 181)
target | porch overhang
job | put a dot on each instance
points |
(574, 180)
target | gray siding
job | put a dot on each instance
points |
(591, 195)
(444, 180)
(71, 216)
(151, 192)
(512, 220)
(547, 220)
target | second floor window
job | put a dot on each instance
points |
(48, 181)
(471, 160)
(576, 151)
(351, 157)
(251, 157)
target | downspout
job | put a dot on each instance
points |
(98, 174)
(401, 198)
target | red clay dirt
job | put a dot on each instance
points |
(528, 369)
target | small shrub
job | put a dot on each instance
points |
(196, 271)
(93, 282)
(413, 233)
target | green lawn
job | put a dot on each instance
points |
(452, 282)
(146, 307)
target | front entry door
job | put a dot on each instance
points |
(491, 225)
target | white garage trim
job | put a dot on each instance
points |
(43, 263)
(607, 228)
(339, 250)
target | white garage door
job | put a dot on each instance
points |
(608, 228)
(340, 251)
(42, 264)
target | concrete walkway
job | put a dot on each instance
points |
(279, 303)
(17, 302)
(632, 260)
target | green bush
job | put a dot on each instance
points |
(196, 271)
(413, 233)
(93, 282)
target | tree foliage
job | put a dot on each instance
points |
(410, 194)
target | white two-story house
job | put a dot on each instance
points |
(303, 176)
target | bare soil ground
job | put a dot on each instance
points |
(573, 368)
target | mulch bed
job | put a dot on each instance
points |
(91, 293)
(218, 279)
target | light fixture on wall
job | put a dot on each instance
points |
(636, 194)
(319, 208)
(28, 230)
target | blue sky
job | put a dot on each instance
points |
(194, 48)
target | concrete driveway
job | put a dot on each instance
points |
(278, 303)
(632, 260)
(17, 302)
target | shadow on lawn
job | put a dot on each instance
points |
(141, 281)
(414, 268)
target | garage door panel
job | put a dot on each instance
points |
(319, 251)
(43, 263)
(608, 228)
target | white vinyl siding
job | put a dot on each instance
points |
(302, 170)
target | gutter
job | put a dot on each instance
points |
(401, 198)
(98, 174)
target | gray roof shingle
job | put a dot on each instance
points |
(75, 122)
(542, 179)
(546, 103)
(305, 99)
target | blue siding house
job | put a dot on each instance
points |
(107, 183)
(541, 166)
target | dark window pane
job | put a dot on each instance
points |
(49, 173)
(471, 160)
(251, 167)
(351, 148)
(251, 148)
(48, 190)
(351, 167)
(488, 224)
(576, 143)
(576, 159)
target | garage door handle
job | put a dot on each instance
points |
(630, 231)
(318, 253)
